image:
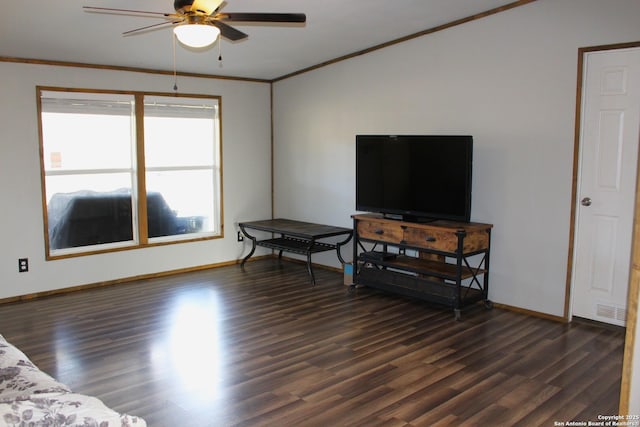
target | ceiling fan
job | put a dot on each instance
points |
(198, 23)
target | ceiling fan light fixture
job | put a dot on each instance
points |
(196, 35)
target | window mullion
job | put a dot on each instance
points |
(70, 172)
(143, 226)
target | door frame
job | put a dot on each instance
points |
(634, 280)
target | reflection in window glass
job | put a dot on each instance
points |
(188, 195)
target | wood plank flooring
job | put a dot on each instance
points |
(261, 347)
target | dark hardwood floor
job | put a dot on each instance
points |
(227, 347)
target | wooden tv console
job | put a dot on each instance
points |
(441, 261)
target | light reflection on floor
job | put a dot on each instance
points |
(191, 352)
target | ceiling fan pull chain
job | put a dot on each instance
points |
(175, 73)
(219, 50)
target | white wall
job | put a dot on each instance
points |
(247, 186)
(509, 80)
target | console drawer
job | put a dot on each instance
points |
(434, 239)
(446, 241)
(381, 231)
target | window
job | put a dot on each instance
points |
(125, 170)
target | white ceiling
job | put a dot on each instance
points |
(61, 30)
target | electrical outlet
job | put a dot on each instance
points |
(23, 265)
(240, 237)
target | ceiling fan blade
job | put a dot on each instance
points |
(136, 30)
(206, 6)
(263, 17)
(228, 32)
(108, 9)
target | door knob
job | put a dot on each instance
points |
(586, 201)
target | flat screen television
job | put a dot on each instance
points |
(415, 177)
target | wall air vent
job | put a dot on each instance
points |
(617, 314)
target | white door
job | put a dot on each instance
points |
(609, 137)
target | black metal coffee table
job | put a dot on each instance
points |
(297, 237)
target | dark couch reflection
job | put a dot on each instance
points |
(90, 218)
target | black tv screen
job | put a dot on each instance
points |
(415, 177)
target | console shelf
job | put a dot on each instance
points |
(449, 265)
(443, 270)
(299, 246)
